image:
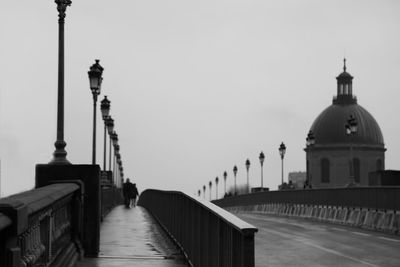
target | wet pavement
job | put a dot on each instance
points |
(282, 241)
(131, 237)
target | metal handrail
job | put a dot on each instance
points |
(228, 217)
(206, 234)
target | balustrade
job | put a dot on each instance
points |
(379, 198)
(44, 226)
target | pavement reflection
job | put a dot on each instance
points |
(131, 237)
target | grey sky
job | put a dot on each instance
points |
(195, 86)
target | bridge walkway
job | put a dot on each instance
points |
(131, 237)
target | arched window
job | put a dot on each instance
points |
(325, 170)
(379, 165)
(356, 166)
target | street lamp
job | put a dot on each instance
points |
(113, 137)
(235, 169)
(216, 187)
(262, 158)
(247, 168)
(95, 79)
(60, 155)
(118, 166)
(282, 151)
(105, 111)
(116, 156)
(225, 175)
(210, 185)
(310, 141)
(351, 130)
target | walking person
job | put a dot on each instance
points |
(135, 193)
(127, 191)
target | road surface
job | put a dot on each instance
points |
(282, 241)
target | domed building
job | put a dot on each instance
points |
(344, 131)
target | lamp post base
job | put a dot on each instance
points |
(60, 155)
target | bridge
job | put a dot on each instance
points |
(74, 218)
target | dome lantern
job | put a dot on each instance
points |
(344, 87)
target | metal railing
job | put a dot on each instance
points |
(111, 196)
(41, 227)
(207, 235)
(382, 198)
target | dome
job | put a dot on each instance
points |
(344, 74)
(329, 126)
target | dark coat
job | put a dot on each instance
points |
(135, 191)
(128, 190)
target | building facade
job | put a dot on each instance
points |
(297, 179)
(336, 158)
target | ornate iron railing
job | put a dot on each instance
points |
(207, 235)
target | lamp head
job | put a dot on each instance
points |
(110, 125)
(262, 158)
(282, 150)
(310, 140)
(95, 77)
(105, 108)
(353, 124)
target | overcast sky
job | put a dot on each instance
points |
(195, 86)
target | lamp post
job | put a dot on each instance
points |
(60, 155)
(204, 191)
(116, 155)
(118, 167)
(310, 141)
(351, 130)
(247, 169)
(113, 137)
(210, 185)
(216, 187)
(262, 158)
(225, 175)
(105, 111)
(282, 151)
(121, 173)
(95, 79)
(235, 169)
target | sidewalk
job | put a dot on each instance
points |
(131, 237)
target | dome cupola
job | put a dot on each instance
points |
(344, 88)
(328, 127)
(338, 157)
